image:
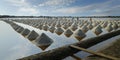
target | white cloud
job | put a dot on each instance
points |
(61, 7)
(70, 10)
(28, 10)
(24, 7)
(56, 3)
(97, 8)
(111, 11)
(18, 2)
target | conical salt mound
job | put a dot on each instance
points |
(53, 24)
(25, 32)
(115, 26)
(73, 27)
(44, 47)
(36, 25)
(81, 25)
(32, 35)
(65, 26)
(51, 29)
(79, 34)
(118, 25)
(45, 27)
(68, 33)
(99, 26)
(69, 24)
(40, 26)
(84, 28)
(20, 29)
(90, 26)
(16, 27)
(59, 31)
(58, 25)
(109, 28)
(104, 25)
(97, 30)
(94, 24)
(43, 41)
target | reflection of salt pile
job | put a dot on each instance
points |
(104, 24)
(40, 26)
(53, 24)
(97, 30)
(119, 25)
(25, 32)
(81, 24)
(109, 27)
(65, 26)
(16, 27)
(90, 26)
(84, 28)
(68, 32)
(114, 26)
(20, 29)
(45, 27)
(35, 25)
(74, 26)
(79, 34)
(32, 35)
(58, 24)
(59, 31)
(94, 24)
(51, 29)
(43, 41)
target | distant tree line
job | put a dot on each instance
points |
(8, 16)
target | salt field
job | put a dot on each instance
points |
(14, 45)
(30, 36)
(59, 29)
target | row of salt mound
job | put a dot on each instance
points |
(43, 41)
(90, 27)
(32, 35)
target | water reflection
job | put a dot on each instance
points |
(13, 45)
(59, 31)
(58, 37)
(59, 40)
(25, 32)
(44, 47)
(64, 37)
(43, 41)
(68, 33)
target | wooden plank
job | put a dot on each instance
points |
(92, 52)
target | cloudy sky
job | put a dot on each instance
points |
(60, 7)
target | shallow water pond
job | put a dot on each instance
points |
(14, 46)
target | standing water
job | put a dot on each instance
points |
(14, 45)
(19, 46)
